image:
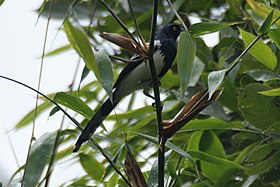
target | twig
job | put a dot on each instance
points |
(120, 22)
(37, 96)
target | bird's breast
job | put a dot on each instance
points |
(139, 77)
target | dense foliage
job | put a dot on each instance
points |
(233, 142)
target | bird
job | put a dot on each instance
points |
(136, 76)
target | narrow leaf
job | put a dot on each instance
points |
(92, 166)
(185, 58)
(265, 165)
(215, 160)
(58, 50)
(112, 182)
(105, 69)
(263, 10)
(215, 78)
(203, 28)
(260, 51)
(30, 115)
(39, 156)
(133, 171)
(264, 28)
(1, 2)
(153, 176)
(80, 42)
(74, 103)
(272, 92)
(274, 35)
(169, 145)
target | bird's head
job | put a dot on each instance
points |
(170, 31)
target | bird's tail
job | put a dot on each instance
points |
(94, 123)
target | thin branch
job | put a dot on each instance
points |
(136, 25)
(46, 97)
(38, 88)
(120, 22)
(177, 15)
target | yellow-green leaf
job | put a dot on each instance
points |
(263, 10)
(272, 92)
(80, 42)
(93, 168)
(260, 50)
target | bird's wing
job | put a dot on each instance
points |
(130, 66)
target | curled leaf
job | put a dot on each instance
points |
(124, 41)
(197, 103)
(133, 171)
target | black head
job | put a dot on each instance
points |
(170, 31)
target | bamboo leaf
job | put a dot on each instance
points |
(215, 160)
(264, 28)
(80, 42)
(274, 35)
(203, 28)
(30, 115)
(260, 51)
(39, 156)
(215, 78)
(92, 166)
(272, 92)
(74, 103)
(105, 69)
(185, 58)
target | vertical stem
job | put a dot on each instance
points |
(161, 162)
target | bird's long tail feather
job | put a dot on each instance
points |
(94, 123)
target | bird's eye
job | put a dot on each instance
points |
(174, 28)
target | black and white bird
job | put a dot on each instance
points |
(136, 75)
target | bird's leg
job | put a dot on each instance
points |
(146, 93)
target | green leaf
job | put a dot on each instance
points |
(112, 182)
(215, 78)
(263, 10)
(260, 51)
(228, 97)
(105, 69)
(153, 176)
(1, 2)
(92, 166)
(272, 92)
(137, 113)
(74, 103)
(274, 35)
(185, 58)
(80, 42)
(203, 28)
(197, 70)
(262, 75)
(30, 115)
(39, 157)
(169, 145)
(264, 28)
(58, 50)
(215, 160)
(261, 111)
(210, 143)
(265, 165)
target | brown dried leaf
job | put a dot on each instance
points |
(124, 41)
(197, 103)
(133, 171)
